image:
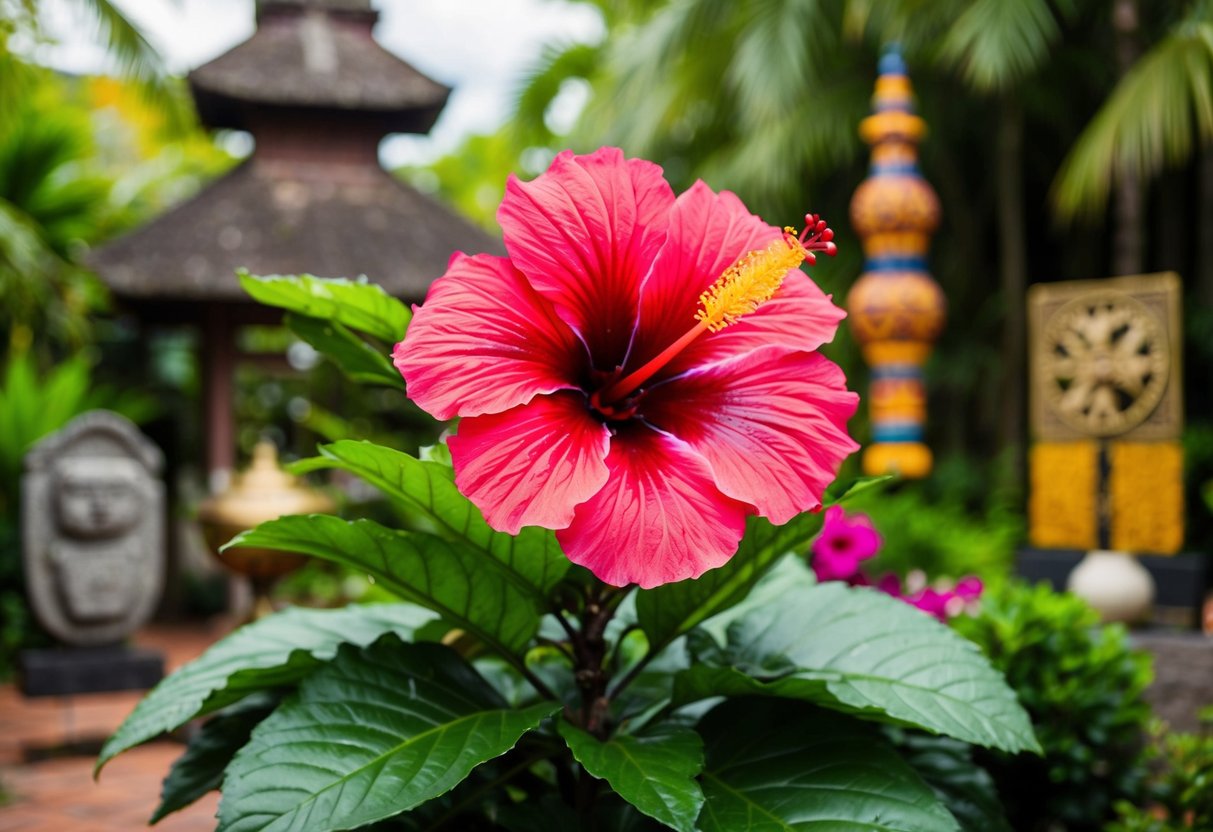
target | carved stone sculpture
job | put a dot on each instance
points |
(92, 518)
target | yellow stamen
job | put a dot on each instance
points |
(750, 282)
(744, 286)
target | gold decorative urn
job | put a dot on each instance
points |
(262, 492)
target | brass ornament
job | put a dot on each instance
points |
(1105, 359)
(1106, 363)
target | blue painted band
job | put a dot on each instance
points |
(896, 432)
(885, 371)
(891, 263)
(909, 169)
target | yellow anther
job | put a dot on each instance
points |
(749, 282)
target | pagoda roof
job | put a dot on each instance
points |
(274, 219)
(315, 54)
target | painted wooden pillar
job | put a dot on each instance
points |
(219, 378)
(896, 310)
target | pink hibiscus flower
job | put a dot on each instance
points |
(640, 373)
(845, 541)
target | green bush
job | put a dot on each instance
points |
(1180, 791)
(1083, 687)
(940, 535)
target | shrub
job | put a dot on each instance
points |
(1083, 687)
(1180, 790)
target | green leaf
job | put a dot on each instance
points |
(667, 612)
(653, 771)
(463, 585)
(963, 786)
(774, 766)
(1150, 120)
(376, 732)
(996, 44)
(359, 360)
(840, 493)
(200, 769)
(357, 304)
(273, 652)
(860, 651)
(429, 488)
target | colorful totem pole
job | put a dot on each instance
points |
(896, 309)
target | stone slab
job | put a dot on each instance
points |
(1183, 676)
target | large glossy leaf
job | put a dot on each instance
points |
(654, 771)
(273, 652)
(429, 488)
(376, 732)
(356, 304)
(359, 360)
(862, 652)
(200, 769)
(667, 612)
(963, 786)
(777, 766)
(462, 584)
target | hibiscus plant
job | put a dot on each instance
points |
(606, 621)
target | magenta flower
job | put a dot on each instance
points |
(844, 542)
(969, 588)
(640, 373)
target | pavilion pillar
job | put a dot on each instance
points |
(219, 366)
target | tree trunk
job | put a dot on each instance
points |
(1013, 283)
(1204, 252)
(1129, 216)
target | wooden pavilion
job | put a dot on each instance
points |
(318, 94)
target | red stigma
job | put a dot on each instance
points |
(817, 236)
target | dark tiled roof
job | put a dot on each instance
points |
(276, 219)
(316, 54)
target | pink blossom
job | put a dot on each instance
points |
(607, 393)
(844, 542)
(932, 602)
(890, 584)
(969, 588)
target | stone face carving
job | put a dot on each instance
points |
(92, 517)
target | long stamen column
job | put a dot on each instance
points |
(749, 282)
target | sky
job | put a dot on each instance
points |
(481, 48)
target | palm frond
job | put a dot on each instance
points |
(997, 43)
(1153, 118)
(135, 55)
(557, 64)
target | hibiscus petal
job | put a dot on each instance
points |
(484, 341)
(771, 424)
(708, 232)
(531, 465)
(658, 519)
(799, 317)
(585, 234)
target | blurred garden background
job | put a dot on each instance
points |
(1067, 140)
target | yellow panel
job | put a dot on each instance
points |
(1147, 496)
(911, 460)
(1062, 508)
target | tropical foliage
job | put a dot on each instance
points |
(1083, 686)
(1032, 117)
(510, 690)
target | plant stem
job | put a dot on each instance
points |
(535, 682)
(631, 675)
(589, 657)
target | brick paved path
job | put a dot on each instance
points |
(59, 795)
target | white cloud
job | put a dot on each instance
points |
(482, 48)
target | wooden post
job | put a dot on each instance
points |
(219, 365)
